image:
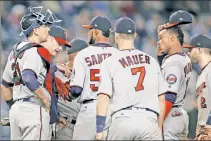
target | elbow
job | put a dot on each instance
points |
(30, 80)
(26, 79)
(5, 88)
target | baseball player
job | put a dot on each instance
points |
(67, 109)
(28, 72)
(176, 69)
(54, 44)
(200, 52)
(133, 82)
(85, 76)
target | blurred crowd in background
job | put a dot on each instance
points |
(146, 14)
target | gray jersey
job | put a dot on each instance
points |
(29, 59)
(86, 69)
(132, 78)
(67, 108)
(203, 90)
(176, 70)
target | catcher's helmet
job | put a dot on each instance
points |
(35, 18)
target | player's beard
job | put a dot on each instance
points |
(92, 41)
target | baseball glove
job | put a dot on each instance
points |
(62, 88)
(205, 134)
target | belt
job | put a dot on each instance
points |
(147, 109)
(73, 121)
(32, 100)
(88, 101)
(176, 106)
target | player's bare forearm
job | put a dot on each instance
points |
(162, 111)
(6, 92)
(102, 105)
(42, 96)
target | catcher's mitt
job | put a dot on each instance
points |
(62, 88)
(205, 134)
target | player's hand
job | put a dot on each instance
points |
(47, 104)
(99, 136)
(161, 27)
(64, 69)
(62, 122)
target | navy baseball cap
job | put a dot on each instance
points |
(178, 18)
(99, 22)
(77, 45)
(59, 34)
(125, 25)
(200, 41)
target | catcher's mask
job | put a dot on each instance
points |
(34, 18)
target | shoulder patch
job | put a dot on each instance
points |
(171, 79)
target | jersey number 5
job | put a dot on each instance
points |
(142, 71)
(94, 78)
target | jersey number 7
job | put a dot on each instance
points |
(134, 71)
(142, 71)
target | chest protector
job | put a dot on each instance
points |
(44, 54)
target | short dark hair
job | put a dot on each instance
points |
(177, 30)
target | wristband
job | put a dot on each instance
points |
(100, 123)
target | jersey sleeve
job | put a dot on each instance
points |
(209, 82)
(32, 61)
(105, 85)
(162, 85)
(78, 72)
(172, 74)
(7, 79)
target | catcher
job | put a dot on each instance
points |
(27, 79)
(200, 52)
(68, 109)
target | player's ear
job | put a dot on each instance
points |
(96, 32)
(35, 31)
(172, 37)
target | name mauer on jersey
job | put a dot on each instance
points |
(96, 58)
(134, 60)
